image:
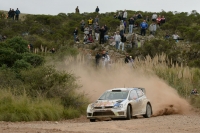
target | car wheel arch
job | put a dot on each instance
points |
(151, 107)
(131, 109)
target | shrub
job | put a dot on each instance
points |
(15, 53)
(71, 113)
(22, 108)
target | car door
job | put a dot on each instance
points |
(133, 99)
(141, 104)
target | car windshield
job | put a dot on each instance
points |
(110, 95)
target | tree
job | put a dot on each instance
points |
(14, 52)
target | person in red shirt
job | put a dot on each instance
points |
(90, 39)
(158, 20)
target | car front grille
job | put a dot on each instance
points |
(103, 107)
(106, 113)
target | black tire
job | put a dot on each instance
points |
(128, 113)
(92, 120)
(148, 111)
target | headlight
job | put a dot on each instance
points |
(118, 106)
(92, 106)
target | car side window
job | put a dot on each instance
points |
(133, 95)
(140, 93)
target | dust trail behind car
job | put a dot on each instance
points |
(165, 100)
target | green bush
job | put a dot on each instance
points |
(22, 108)
(15, 53)
(195, 100)
(71, 113)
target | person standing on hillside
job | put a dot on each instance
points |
(139, 16)
(158, 20)
(162, 20)
(17, 12)
(119, 16)
(97, 58)
(123, 40)
(125, 26)
(125, 15)
(102, 33)
(13, 14)
(143, 27)
(105, 59)
(131, 23)
(90, 21)
(117, 39)
(97, 10)
(9, 13)
(154, 17)
(121, 28)
(77, 10)
(75, 33)
(96, 19)
(152, 28)
(82, 25)
(96, 30)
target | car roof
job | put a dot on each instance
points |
(124, 89)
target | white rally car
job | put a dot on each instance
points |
(120, 103)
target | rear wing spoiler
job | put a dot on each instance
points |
(143, 90)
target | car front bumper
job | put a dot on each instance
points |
(106, 113)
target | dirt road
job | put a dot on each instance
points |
(160, 124)
(162, 96)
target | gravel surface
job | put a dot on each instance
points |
(160, 124)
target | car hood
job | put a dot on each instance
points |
(101, 103)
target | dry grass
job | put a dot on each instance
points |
(180, 77)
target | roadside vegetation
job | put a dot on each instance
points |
(32, 90)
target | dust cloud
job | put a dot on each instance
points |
(164, 99)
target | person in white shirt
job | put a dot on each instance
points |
(152, 28)
(175, 37)
(154, 17)
(125, 15)
(117, 39)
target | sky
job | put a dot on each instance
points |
(54, 7)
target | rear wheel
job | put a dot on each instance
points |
(128, 112)
(92, 120)
(148, 111)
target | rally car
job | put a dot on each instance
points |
(120, 103)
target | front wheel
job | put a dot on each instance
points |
(92, 120)
(148, 111)
(128, 112)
